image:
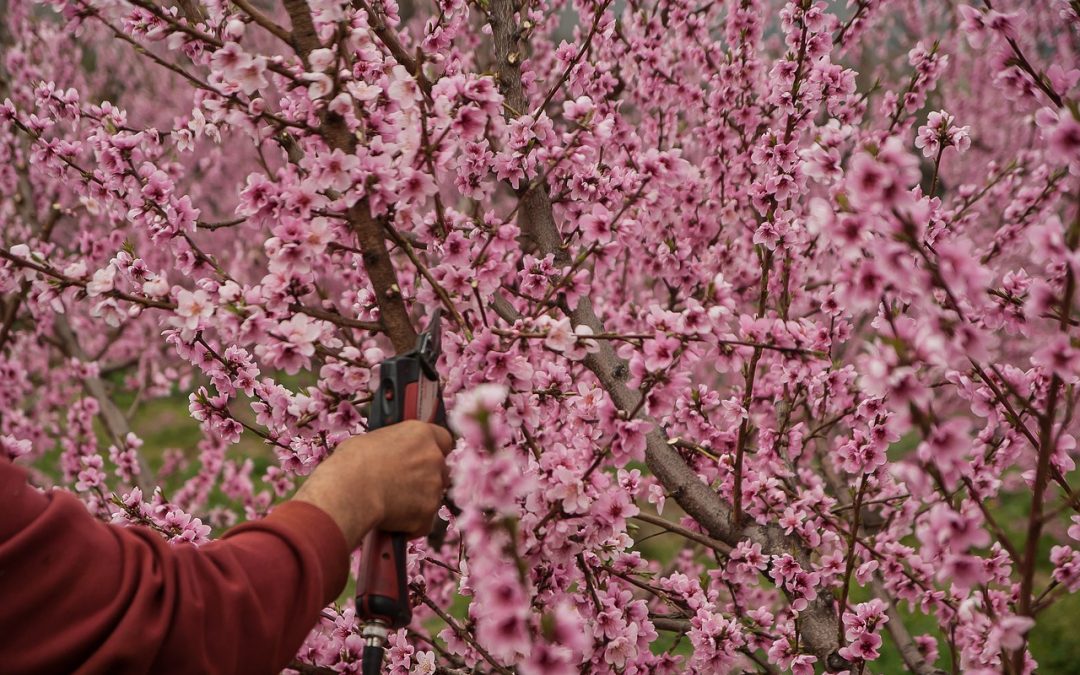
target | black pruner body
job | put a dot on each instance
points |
(408, 389)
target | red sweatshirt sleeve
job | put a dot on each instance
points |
(77, 595)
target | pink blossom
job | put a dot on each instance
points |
(1066, 562)
(657, 497)
(193, 307)
(964, 571)
(252, 76)
(883, 179)
(559, 336)
(1060, 358)
(803, 664)
(425, 663)
(596, 225)
(1010, 630)
(1065, 138)
(334, 170)
(939, 133)
(659, 353)
(622, 648)
(474, 408)
(320, 86)
(321, 59)
(295, 344)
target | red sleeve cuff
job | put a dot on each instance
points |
(308, 523)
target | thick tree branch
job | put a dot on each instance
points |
(675, 528)
(818, 623)
(192, 10)
(369, 231)
(303, 37)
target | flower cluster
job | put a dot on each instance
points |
(760, 318)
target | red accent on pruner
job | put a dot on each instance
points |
(410, 410)
(378, 576)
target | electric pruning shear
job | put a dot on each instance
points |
(408, 389)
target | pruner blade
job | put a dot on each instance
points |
(429, 344)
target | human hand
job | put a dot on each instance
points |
(392, 479)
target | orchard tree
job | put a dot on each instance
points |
(789, 286)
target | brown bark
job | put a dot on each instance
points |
(370, 233)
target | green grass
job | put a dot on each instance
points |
(1054, 642)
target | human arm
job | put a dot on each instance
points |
(82, 596)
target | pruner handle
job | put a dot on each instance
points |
(382, 592)
(405, 392)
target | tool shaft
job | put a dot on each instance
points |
(408, 389)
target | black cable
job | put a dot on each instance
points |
(371, 660)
